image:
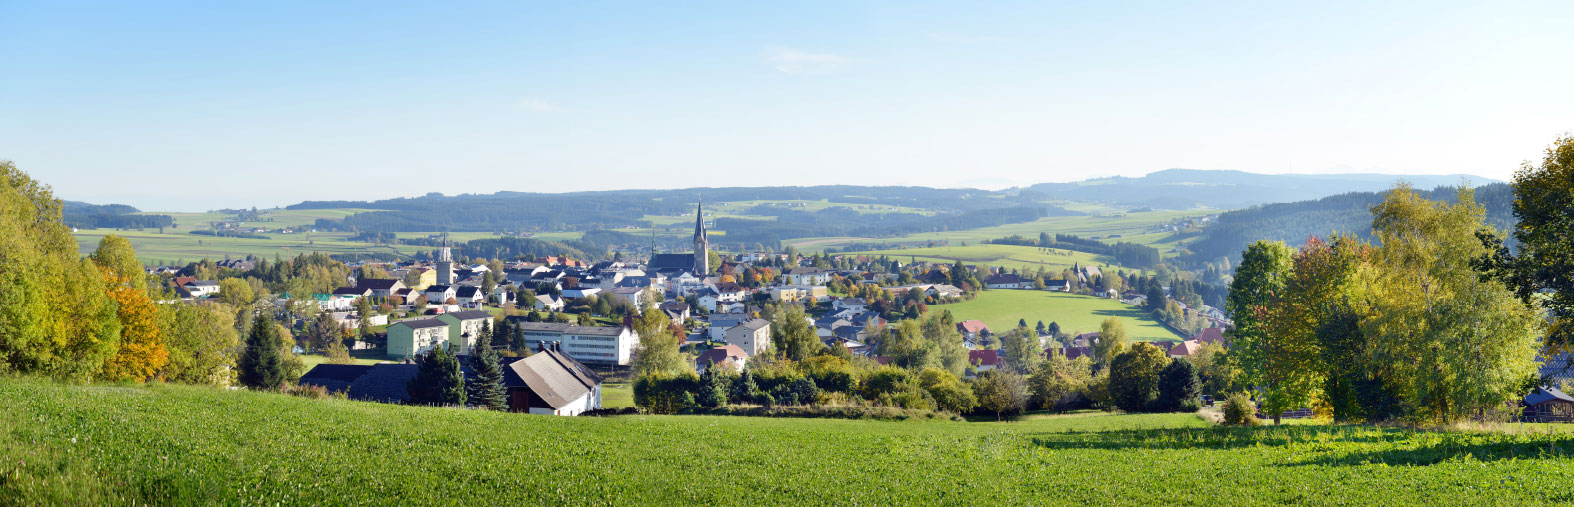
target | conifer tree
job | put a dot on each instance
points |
(486, 387)
(260, 365)
(438, 380)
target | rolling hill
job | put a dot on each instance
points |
(1190, 188)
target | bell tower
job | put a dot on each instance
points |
(701, 243)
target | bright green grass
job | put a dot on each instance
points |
(313, 360)
(617, 395)
(1025, 258)
(185, 445)
(1001, 309)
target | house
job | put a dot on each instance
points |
(609, 345)
(1547, 404)
(677, 311)
(803, 293)
(729, 356)
(634, 295)
(807, 276)
(581, 292)
(720, 323)
(1214, 335)
(550, 382)
(381, 287)
(425, 277)
(972, 331)
(1057, 286)
(549, 302)
(1007, 281)
(983, 360)
(438, 294)
(201, 288)
(384, 383)
(946, 291)
(352, 293)
(336, 378)
(1186, 348)
(730, 292)
(752, 336)
(869, 320)
(464, 328)
(469, 295)
(407, 338)
(855, 305)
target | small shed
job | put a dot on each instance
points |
(1548, 404)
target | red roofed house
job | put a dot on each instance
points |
(729, 356)
(1186, 348)
(983, 360)
(1210, 335)
(971, 331)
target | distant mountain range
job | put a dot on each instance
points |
(1191, 188)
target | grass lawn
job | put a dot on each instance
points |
(162, 444)
(1001, 309)
(316, 359)
(1025, 258)
(617, 395)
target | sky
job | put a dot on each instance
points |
(194, 106)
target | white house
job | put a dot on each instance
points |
(202, 288)
(549, 302)
(807, 276)
(550, 382)
(588, 344)
(438, 294)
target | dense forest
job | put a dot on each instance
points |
(82, 215)
(1348, 213)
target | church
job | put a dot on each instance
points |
(697, 263)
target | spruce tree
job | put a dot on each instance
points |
(438, 379)
(486, 386)
(260, 365)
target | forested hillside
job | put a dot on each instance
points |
(109, 216)
(1188, 188)
(1348, 213)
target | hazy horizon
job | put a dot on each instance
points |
(188, 107)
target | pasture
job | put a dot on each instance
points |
(1001, 309)
(161, 444)
(1025, 258)
(1135, 227)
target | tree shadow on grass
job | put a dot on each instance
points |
(1342, 445)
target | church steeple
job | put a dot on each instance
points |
(701, 242)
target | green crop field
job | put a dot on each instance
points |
(172, 245)
(1025, 258)
(187, 445)
(1001, 309)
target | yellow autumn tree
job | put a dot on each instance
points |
(142, 352)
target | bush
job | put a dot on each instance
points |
(1134, 377)
(1240, 411)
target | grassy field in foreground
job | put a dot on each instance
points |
(1001, 309)
(1025, 258)
(187, 445)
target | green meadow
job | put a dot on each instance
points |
(165, 444)
(1025, 258)
(1001, 309)
(1134, 227)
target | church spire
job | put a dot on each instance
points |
(701, 243)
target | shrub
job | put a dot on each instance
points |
(1134, 377)
(1240, 411)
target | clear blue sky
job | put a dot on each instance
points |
(190, 106)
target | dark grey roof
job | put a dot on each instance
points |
(470, 315)
(634, 281)
(805, 271)
(1546, 394)
(575, 329)
(377, 283)
(848, 332)
(556, 378)
(421, 323)
(386, 383)
(349, 291)
(437, 288)
(661, 262)
(334, 377)
(466, 291)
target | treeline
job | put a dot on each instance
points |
(1348, 213)
(1130, 255)
(1404, 328)
(227, 234)
(843, 221)
(82, 215)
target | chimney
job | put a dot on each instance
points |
(541, 346)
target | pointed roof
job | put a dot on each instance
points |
(699, 221)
